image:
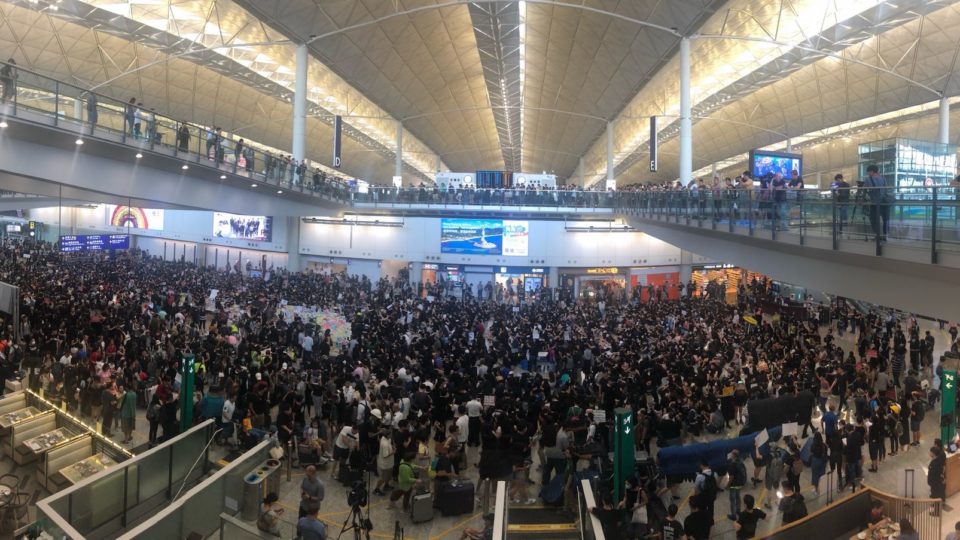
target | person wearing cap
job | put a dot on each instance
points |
(841, 194)
(486, 533)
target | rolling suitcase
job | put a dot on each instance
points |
(421, 507)
(455, 500)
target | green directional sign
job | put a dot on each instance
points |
(187, 371)
(624, 457)
(948, 406)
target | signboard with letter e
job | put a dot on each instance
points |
(337, 128)
(653, 144)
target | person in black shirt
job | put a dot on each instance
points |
(746, 524)
(672, 529)
(609, 517)
(697, 524)
(841, 193)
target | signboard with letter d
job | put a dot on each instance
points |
(337, 128)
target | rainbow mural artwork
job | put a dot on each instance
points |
(136, 217)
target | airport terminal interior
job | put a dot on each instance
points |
(479, 269)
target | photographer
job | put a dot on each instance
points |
(841, 193)
(879, 208)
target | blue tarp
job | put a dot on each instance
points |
(684, 461)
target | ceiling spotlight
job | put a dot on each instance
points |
(279, 192)
(79, 142)
(253, 185)
(185, 166)
(3, 123)
(139, 155)
(223, 177)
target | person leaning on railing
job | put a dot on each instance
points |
(880, 201)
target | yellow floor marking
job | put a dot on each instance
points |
(763, 495)
(684, 501)
(543, 528)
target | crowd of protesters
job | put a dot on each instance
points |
(425, 374)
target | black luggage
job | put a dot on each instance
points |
(456, 500)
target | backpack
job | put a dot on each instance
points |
(794, 509)
(152, 412)
(549, 436)
(898, 429)
(710, 487)
(796, 467)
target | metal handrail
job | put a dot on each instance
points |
(590, 501)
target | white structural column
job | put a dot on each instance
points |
(582, 174)
(398, 150)
(439, 163)
(611, 179)
(686, 125)
(944, 137)
(300, 105)
(293, 244)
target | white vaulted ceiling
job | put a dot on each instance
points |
(502, 85)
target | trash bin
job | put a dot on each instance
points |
(257, 483)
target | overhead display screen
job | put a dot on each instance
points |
(257, 228)
(516, 235)
(94, 242)
(763, 163)
(484, 236)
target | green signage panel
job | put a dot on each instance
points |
(948, 406)
(187, 370)
(624, 457)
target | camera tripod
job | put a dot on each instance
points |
(358, 524)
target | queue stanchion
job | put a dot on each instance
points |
(289, 460)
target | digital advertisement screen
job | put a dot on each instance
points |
(473, 236)
(484, 236)
(94, 242)
(516, 236)
(135, 217)
(764, 163)
(257, 228)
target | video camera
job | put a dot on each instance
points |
(358, 495)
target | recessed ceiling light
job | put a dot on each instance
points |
(3, 123)
(139, 155)
(279, 192)
(223, 177)
(185, 166)
(79, 142)
(253, 185)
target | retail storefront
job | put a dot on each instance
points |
(657, 277)
(433, 272)
(527, 278)
(607, 282)
(727, 276)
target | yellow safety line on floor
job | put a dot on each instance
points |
(542, 527)
(684, 501)
(456, 526)
(342, 512)
(758, 503)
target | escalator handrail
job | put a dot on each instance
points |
(590, 501)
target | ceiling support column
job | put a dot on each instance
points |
(398, 150)
(580, 168)
(611, 179)
(944, 134)
(300, 105)
(686, 124)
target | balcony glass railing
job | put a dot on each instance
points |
(35, 97)
(926, 218)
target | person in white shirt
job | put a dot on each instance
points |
(474, 409)
(345, 442)
(226, 417)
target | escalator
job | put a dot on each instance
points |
(538, 521)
